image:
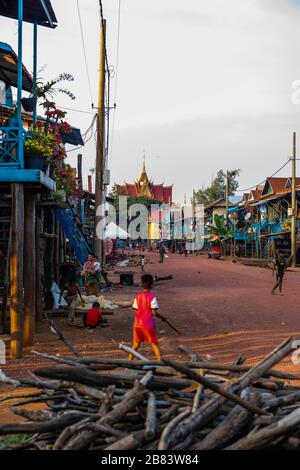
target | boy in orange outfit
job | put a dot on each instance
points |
(146, 306)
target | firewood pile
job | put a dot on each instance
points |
(115, 404)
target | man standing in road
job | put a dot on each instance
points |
(280, 264)
(162, 252)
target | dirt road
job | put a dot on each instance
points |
(223, 309)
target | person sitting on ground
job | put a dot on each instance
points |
(93, 317)
(91, 276)
(73, 291)
(146, 306)
(100, 269)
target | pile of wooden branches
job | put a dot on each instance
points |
(165, 405)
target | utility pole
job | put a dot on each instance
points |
(294, 204)
(99, 189)
(79, 176)
(227, 197)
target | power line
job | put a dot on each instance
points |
(84, 53)
(77, 110)
(85, 138)
(116, 79)
(262, 182)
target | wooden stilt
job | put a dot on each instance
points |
(56, 252)
(38, 268)
(49, 258)
(29, 269)
(61, 247)
(16, 271)
(6, 287)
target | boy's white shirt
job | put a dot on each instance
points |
(153, 304)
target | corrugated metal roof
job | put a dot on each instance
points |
(276, 184)
(218, 203)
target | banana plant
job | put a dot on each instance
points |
(218, 227)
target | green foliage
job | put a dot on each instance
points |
(217, 189)
(219, 228)
(66, 180)
(49, 88)
(39, 143)
(6, 442)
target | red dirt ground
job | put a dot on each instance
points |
(223, 309)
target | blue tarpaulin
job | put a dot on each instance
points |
(73, 138)
(9, 68)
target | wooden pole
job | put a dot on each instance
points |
(16, 271)
(62, 258)
(79, 170)
(294, 203)
(227, 197)
(29, 269)
(49, 257)
(99, 191)
(6, 286)
(57, 252)
(38, 267)
(90, 186)
(80, 184)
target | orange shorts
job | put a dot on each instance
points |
(144, 335)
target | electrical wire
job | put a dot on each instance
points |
(77, 110)
(116, 80)
(262, 182)
(84, 53)
(85, 138)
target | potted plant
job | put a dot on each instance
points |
(38, 149)
(66, 180)
(51, 88)
(29, 104)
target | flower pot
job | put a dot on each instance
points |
(35, 162)
(29, 104)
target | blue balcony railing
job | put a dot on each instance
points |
(11, 148)
(276, 227)
(240, 235)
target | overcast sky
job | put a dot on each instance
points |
(202, 85)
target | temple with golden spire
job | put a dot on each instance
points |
(144, 187)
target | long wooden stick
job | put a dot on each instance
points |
(194, 365)
(122, 379)
(55, 425)
(151, 419)
(213, 386)
(133, 352)
(205, 413)
(231, 426)
(261, 438)
(165, 320)
(63, 337)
